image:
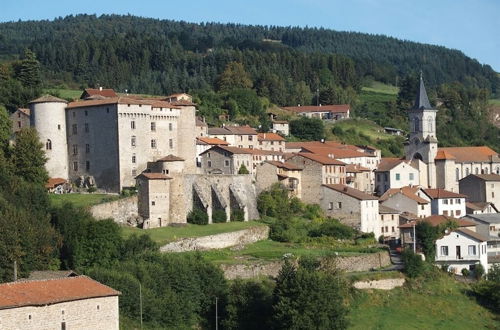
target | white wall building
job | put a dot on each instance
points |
(445, 202)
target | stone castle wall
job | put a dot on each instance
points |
(122, 211)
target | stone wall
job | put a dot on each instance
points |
(219, 241)
(384, 284)
(123, 210)
(363, 262)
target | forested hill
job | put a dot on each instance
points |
(163, 56)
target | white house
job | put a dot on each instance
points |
(462, 248)
(444, 202)
(480, 208)
(394, 173)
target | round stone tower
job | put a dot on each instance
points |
(48, 117)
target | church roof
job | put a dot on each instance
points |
(444, 155)
(421, 101)
(469, 154)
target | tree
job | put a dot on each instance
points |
(414, 265)
(27, 71)
(307, 129)
(234, 76)
(28, 157)
(243, 169)
(306, 298)
(5, 129)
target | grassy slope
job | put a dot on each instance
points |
(80, 200)
(168, 234)
(378, 87)
(67, 94)
(437, 304)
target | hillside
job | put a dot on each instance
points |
(162, 56)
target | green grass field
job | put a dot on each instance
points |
(80, 200)
(494, 102)
(436, 304)
(382, 88)
(168, 234)
(67, 94)
(365, 126)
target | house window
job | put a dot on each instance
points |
(472, 250)
(467, 171)
(86, 113)
(445, 201)
(134, 172)
(75, 129)
(339, 205)
(170, 126)
(107, 110)
(382, 229)
(458, 212)
(153, 144)
(250, 138)
(171, 143)
(444, 250)
(330, 206)
(59, 127)
(226, 163)
(132, 141)
(398, 176)
(75, 166)
(86, 127)
(422, 207)
(457, 174)
(411, 177)
(445, 212)
(153, 126)
(209, 163)
(393, 229)
(48, 145)
(133, 159)
(19, 124)
(75, 149)
(153, 203)
(132, 124)
(87, 165)
(458, 201)
(87, 148)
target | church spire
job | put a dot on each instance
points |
(421, 101)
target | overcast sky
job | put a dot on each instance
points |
(472, 26)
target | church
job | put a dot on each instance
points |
(442, 167)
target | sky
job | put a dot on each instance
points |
(471, 26)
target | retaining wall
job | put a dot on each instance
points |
(123, 210)
(384, 284)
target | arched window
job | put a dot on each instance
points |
(457, 174)
(48, 145)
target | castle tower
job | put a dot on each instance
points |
(422, 143)
(48, 117)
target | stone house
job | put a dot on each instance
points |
(389, 222)
(347, 153)
(281, 127)
(226, 160)
(270, 172)
(352, 207)
(20, 119)
(480, 208)
(324, 112)
(394, 173)
(201, 127)
(237, 136)
(462, 248)
(203, 143)
(97, 93)
(317, 170)
(154, 199)
(271, 141)
(179, 97)
(359, 177)
(482, 188)
(63, 303)
(408, 199)
(444, 202)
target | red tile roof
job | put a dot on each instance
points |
(444, 155)
(102, 92)
(335, 152)
(354, 193)
(112, 100)
(212, 141)
(53, 182)
(355, 168)
(25, 111)
(441, 193)
(46, 292)
(321, 159)
(388, 163)
(270, 137)
(436, 220)
(470, 154)
(339, 108)
(284, 165)
(410, 192)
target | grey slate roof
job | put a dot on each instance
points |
(488, 217)
(421, 101)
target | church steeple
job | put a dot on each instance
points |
(421, 101)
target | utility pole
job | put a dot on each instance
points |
(140, 301)
(414, 239)
(216, 315)
(15, 270)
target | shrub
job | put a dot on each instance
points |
(243, 169)
(219, 216)
(333, 228)
(465, 272)
(238, 215)
(414, 265)
(197, 217)
(478, 271)
(91, 190)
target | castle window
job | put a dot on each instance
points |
(59, 127)
(134, 172)
(48, 145)
(87, 165)
(153, 126)
(86, 113)
(457, 174)
(75, 129)
(75, 166)
(132, 141)
(132, 124)
(133, 159)
(170, 143)
(153, 203)
(75, 149)
(153, 144)
(87, 148)
(209, 163)
(170, 126)
(86, 127)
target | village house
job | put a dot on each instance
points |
(201, 127)
(482, 188)
(63, 303)
(359, 177)
(271, 172)
(389, 223)
(445, 202)
(324, 112)
(179, 97)
(393, 173)
(20, 119)
(203, 143)
(488, 225)
(281, 127)
(154, 199)
(226, 160)
(480, 208)
(97, 93)
(237, 136)
(271, 141)
(352, 207)
(408, 199)
(317, 170)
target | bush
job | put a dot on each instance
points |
(197, 217)
(238, 215)
(243, 169)
(478, 271)
(333, 228)
(465, 272)
(219, 216)
(414, 265)
(91, 190)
